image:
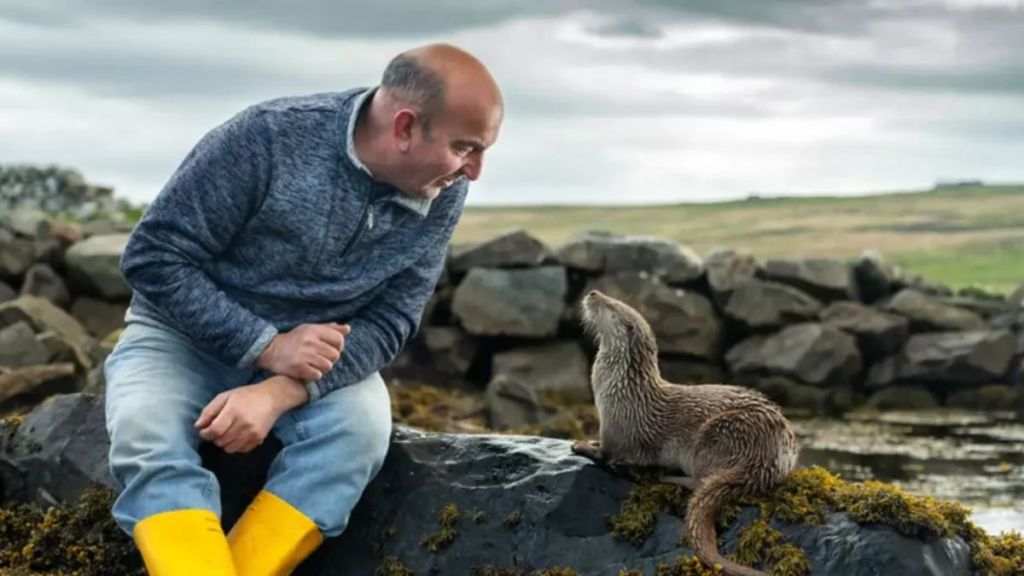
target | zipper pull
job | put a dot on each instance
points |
(369, 218)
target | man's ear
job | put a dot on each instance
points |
(403, 125)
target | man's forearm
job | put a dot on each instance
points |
(287, 392)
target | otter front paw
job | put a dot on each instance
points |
(588, 449)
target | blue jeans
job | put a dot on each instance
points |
(157, 384)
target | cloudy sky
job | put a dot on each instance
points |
(607, 101)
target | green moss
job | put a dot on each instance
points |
(638, 513)
(110, 340)
(391, 566)
(760, 544)
(479, 516)
(625, 572)
(436, 409)
(688, 566)
(513, 519)
(805, 498)
(447, 519)
(495, 571)
(79, 539)
(576, 422)
(557, 571)
(10, 426)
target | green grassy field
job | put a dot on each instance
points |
(956, 236)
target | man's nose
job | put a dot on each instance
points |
(474, 166)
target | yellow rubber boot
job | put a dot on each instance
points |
(272, 537)
(184, 543)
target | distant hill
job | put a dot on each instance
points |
(958, 235)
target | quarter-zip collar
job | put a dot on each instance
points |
(418, 205)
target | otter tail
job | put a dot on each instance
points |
(714, 492)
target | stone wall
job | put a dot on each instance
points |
(818, 335)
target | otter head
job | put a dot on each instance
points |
(616, 324)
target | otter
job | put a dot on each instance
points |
(727, 441)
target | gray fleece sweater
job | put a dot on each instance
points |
(271, 221)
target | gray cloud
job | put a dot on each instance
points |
(662, 99)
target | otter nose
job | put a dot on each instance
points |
(594, 294)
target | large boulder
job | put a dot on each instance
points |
(684, 321)
(612, 253)
(929, 314)
(514, 249)
(499, 302)
(825, 279)
(760, 305)
(971, 357)
(95, 265)
(463, 504)
(809, 352)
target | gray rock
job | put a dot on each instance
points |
(987, 308)
(530, 383)
(104, 227)
(514, 249)
(809, 352)
(19, 347)
(43, 316)
(450, 350)
(16, 256)
(727, 269)
(99, 318)
(878, 333)
(26, 222)
(611, 253)
(873, 277)
(1016, 299)
(526, 302)
(824, 279)
(972, 357)
(94, 264)
(41, 280)
(684, 321)
(7, 293)
(689, 371)
(58, 452)
(929, 314)
(787, 392)
(761, 305)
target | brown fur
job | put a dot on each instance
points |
(727, 441)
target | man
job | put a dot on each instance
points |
(286, 261)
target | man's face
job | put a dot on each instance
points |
(454, 146)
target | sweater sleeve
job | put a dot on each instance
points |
(205, 204)
(383, 327)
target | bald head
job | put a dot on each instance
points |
(440, 78)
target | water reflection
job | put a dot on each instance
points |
(976, 458)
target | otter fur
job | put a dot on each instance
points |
(726, 441)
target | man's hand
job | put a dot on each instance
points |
(306, 352)
(240, 419)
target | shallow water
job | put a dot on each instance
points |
(976, 458)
